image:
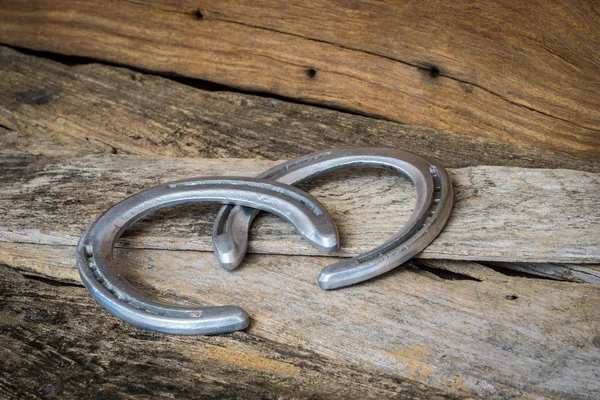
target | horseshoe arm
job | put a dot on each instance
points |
(433, 206)
(398, 250)
(100, 276)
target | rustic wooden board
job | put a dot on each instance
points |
(441, 325)
(500, 213)
(55, 344)
(495, 336)
(50, 108)
(56, 263)
(521, 73)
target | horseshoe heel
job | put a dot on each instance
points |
(432, 210)
(100, 276)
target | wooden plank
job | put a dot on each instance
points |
(500, 213)
(521, 73)
(56, 263)
(55, 343)
(496, 337)
(50, 108)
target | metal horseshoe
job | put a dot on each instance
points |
(95, 249)
(432, 210)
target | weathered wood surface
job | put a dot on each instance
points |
(500, 213)
(56, 262)
(441, 325)
(50, 108)
(494, 336)
(55, 344)
(522, 73)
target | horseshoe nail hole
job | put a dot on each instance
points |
(511, 297)
(198, 14)
(311, 72)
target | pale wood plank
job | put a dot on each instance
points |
(500, 214)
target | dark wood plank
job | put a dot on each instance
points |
(51, 108)
(521, 73)
(54, 343)
(481, 334)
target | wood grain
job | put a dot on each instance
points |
(437, 328)
(55, 344)
(50, 108)
(526, 74)
(500, 213)
(494, 337)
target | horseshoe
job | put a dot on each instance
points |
(434, 204)
(101, 278)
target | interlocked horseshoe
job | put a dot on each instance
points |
(432, 210)
(95, 249)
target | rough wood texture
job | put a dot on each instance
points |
(451, 326)
(50, 108)
(524, 73)
(500, 213)
(55, 344)
(495, 336)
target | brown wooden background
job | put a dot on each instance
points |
(124, 94)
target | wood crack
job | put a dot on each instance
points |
(47, 280)
(436, 267)
(375, 54)
(417, 66)
(520, 104)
